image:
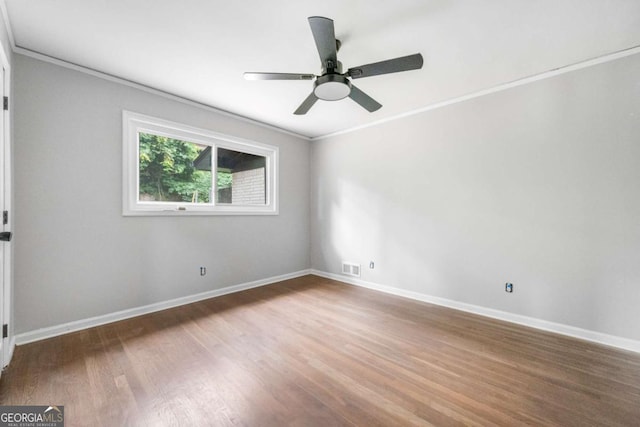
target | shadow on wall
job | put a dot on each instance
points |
(449, 228)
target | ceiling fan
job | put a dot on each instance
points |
(333, 84)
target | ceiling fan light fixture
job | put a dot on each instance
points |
(332, 87)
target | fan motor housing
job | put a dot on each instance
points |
(332, 87)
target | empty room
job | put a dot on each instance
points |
(358, 213)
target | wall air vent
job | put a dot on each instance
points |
(350, 269)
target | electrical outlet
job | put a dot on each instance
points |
(203, 271)
(508, 287)
(371, 265)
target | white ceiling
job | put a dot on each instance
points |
(198, 49)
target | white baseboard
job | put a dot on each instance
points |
(597, 337)
(52, 331)
(572, 331)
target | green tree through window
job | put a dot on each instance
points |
(167, 172)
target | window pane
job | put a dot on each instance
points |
(241, 178)
(169, 172)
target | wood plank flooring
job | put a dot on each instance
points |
(315, 352)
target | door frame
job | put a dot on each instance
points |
(8, 343)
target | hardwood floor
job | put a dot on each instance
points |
(315, 352)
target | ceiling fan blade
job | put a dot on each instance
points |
(306, 104)
(278, 76)
(325, 37)
(404, 63)
(364, 100)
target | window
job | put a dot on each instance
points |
(173, 169)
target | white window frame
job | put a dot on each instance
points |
(134, 123)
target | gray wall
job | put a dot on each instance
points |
(77, 256)
(538, 185)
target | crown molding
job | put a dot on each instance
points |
(494, 89)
